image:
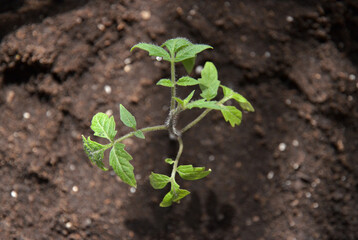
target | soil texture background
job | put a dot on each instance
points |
(289, 171)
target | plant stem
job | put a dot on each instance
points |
(201, 116)
(175, 165)
(173, 89)
(147, 129)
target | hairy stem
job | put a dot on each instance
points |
(173, 89)
(147, 129)
(176, 161)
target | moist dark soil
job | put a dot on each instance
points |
(289, 171)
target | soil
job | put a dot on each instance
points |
(289, 171)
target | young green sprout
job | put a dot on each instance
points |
(178, 50)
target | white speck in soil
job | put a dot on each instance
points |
(68, 225)
(127, 68)
(252, 54)
(109, 112)
(352, 77)
(108, 89)
(145, 15)
(132, 190)
(282, 147)
(350, 98)
(288, 183)
(296, 166)
(75, 189)
(343, 178)
(48, 113)
(72, 167)
(270, 175)
(288, 101)
(211, 158)
(267, 54)
(308, 195)
(26, 115)
(94, 87)
(315, 205)
(198, 69)
(159, 59)
(101, 27)
(255, 218)
(13, 194)
(295, 143)
(289, 19)
(127, 61)
(138, 176)
(192, 12)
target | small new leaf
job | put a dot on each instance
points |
(188, 172)
(153, 50)
(190, 51)
(95, 152)
(173, 45)
(119, 160)
(180, 194)
(165, 82)
(127, 118)
(139, 134)
(189, 64)
(169, 161)
(167, 200)
(180, 101)
(188, 98)
(103, 126)
(244, 104)
(187, 81)
(232, 115)
(209, 82)
(158, 181)
(202, 103)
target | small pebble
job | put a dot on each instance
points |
(295, 143)
(198, 69)
(288, 101)
(127, 61)
(255, 218)
(315, 205)
(68, 225)
(282, 147)
(343, 178)
(13, 194)
(296, 166)
(289, 19)
(211, 158)
(288, 183)
(350, 98)
(308, 195)
(108, 89)
(109, 112)
(227, 4)
(145, 15)
(159, 59)
(10, 96)
(101, 27)
(75, 189)
(72, 167)
(270, 175)
(192, 12)
(252, 54)
(127, 68)
(132, 190)
(267, 54)
(26, 115)
(48, 113)
(352, 77)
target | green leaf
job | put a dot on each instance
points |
(187, 81)
(165, 82)
(180, 101)
(139, 134)
(190, 51)
(188, 172)
(189, 64)
(209, 82)
(95, 152)
(167, 200)
(169, 161)
(158, 181)
(232, 115)
(180, 194)
(244, 104)
(119, 160)
(153, 50)
(127, 118)
(188, 98)
(173, 45)
(202, 103)
(104, 126)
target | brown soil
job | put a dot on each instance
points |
(296, 61)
